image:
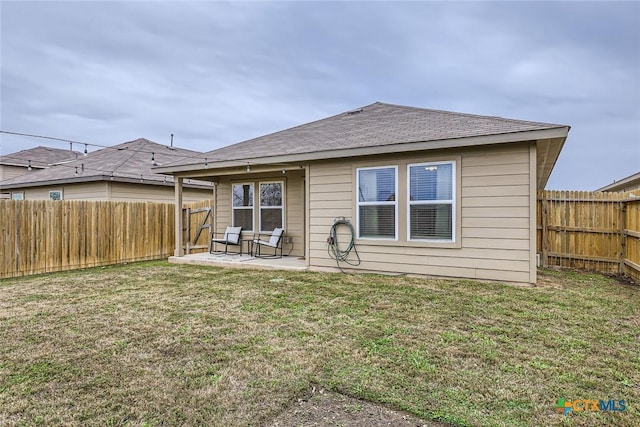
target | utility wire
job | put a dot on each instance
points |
(198, 156)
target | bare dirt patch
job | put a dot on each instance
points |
(325, 408)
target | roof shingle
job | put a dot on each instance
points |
(129, 160)
(378, 124)
(40, 157)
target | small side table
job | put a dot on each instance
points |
(249, 245)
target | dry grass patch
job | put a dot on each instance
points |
(160, 344)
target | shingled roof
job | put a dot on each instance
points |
(128, 162)
(40, 157)
(375, 125)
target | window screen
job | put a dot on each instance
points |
(431, 206)
(377, 205)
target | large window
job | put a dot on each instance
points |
(431, 210)
(377, 205)
(243, 206)
(271, 206)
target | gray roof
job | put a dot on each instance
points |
(629, 181)
(374, 125)
(129, 162)
(40, 157)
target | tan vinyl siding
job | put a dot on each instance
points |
(116, 191)
(129, 192)
(88, 191)
(293, 205)
(8, 171)
(494, 211)
(82, 191)
(38, 193)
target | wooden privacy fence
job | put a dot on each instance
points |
(590, 230)
(43, 236)
(198, 222)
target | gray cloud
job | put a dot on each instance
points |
(217, 73)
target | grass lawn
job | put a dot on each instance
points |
(160, 344)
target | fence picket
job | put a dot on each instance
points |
(590, 231)
(39, 236)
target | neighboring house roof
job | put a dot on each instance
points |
(127, 162)
(632, 181)
(40, 157)
(380, 128)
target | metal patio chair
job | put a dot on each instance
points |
(274, 242)
(231, 237)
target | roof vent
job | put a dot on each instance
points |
(351, 113)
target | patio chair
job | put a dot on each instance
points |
(231, 237)
(274, 242)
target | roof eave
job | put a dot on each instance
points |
(556, 132)
(614, 186)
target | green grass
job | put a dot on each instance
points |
(158, 344)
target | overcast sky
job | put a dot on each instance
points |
(215, 73)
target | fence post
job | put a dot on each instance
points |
(623, 235)
(187, 218)
(543, 232)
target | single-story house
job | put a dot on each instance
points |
(121, 172)
(31, 160)
(630, 183)
(427, 192)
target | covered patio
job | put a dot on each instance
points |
(292, 263)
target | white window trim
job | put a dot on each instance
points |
(452, 202)
(56, 191)
(359, 203)
(18, 195)
(282, 207)
(252, 207)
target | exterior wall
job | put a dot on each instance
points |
(128, 192)
(84, 191)
(116, 191)
(494, 241)
(293, 205)
(9, 171)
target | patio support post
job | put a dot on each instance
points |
(179, 251)
(307, 217)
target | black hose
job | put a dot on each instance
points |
(333, 247)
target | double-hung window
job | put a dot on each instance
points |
(431, 198)
(377, 202)
(243, 206)
(271, 206)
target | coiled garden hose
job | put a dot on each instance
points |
(333, 247)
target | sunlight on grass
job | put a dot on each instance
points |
(160, 344)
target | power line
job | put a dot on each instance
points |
(70, 141)
(80, 167)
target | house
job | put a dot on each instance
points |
(122, 173)
(427, 192)
(630, 183)
(30, 160)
